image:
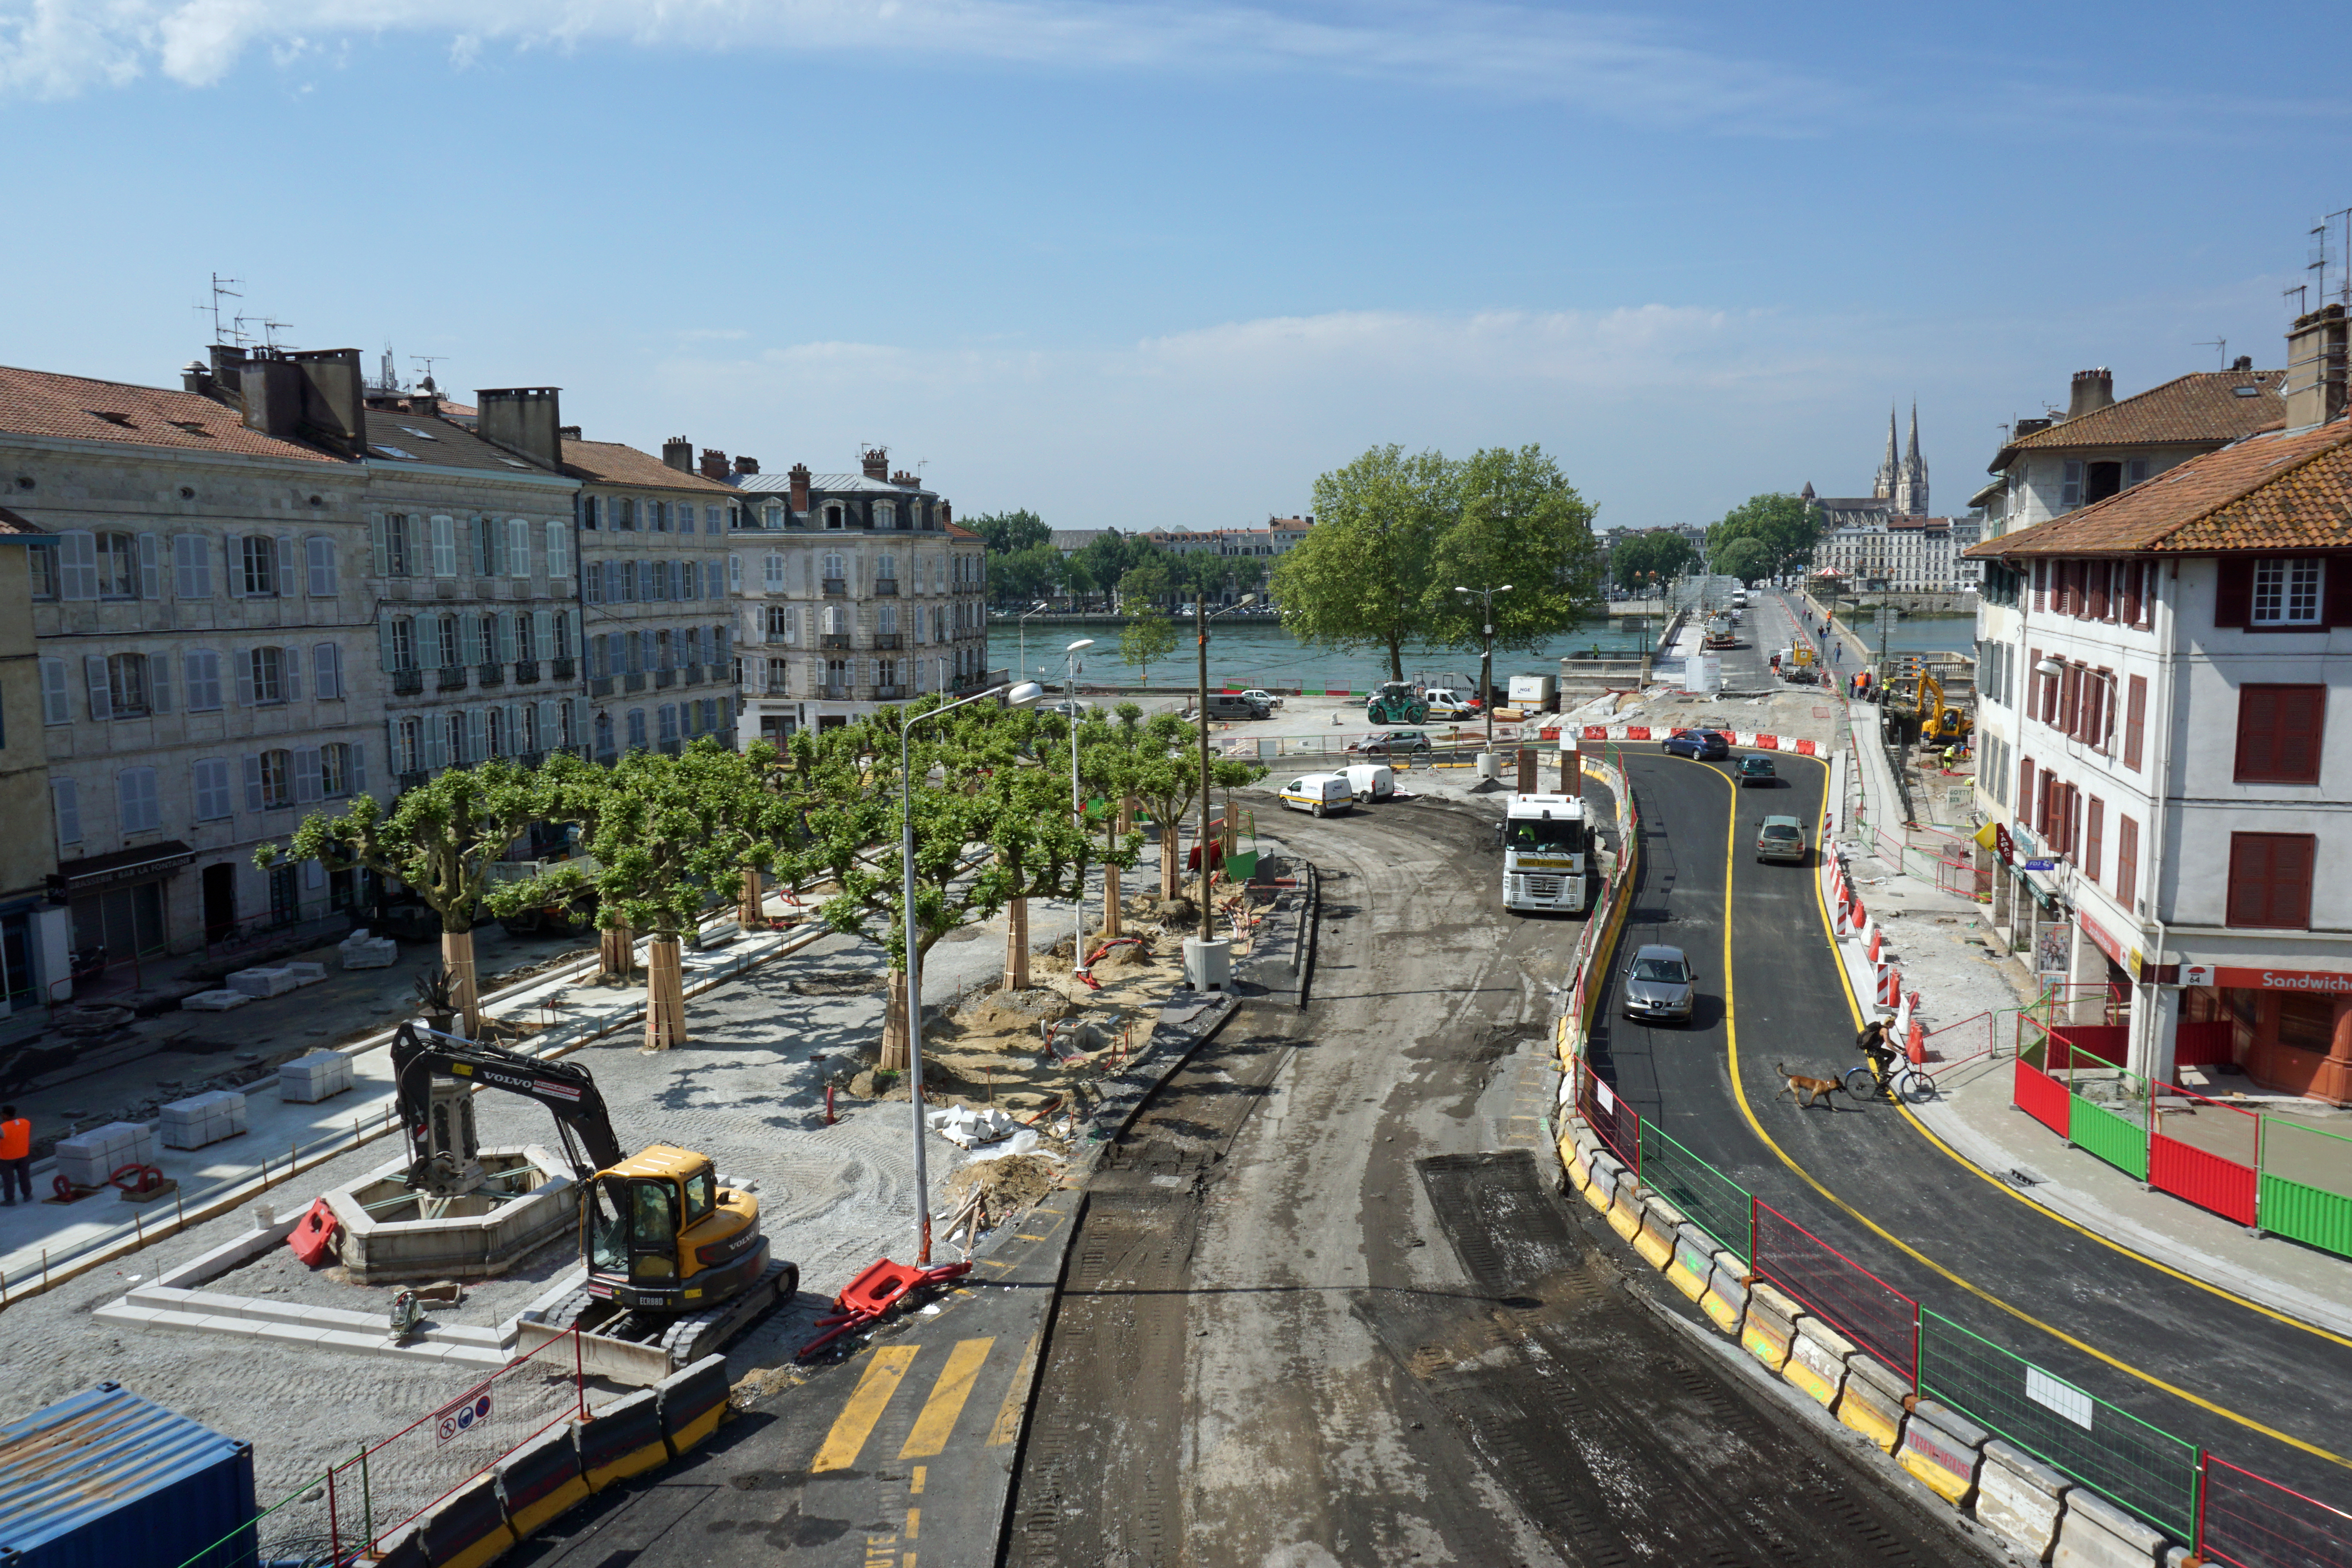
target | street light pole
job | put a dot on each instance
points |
(1200, 619)
(1019, 696)
(1077, 804)
(1486, 661)
(1021, 625)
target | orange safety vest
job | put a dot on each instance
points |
(16, 1140)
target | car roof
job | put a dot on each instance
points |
(1659, 950)
(1791, 821)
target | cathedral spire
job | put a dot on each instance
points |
(1911, 480)
(1890, 468)
(1911, 455)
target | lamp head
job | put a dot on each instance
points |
(1023, 695)
(2050, 667)
(1082, 642)
(1244, 599)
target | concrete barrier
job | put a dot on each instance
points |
(468, 1527)
(624, 1440)
(1661, 1223)
(693, 1403)
(1872, 1404)
(1770, 1327)
(1817, 1359)
(1943, 1451)
(1625, 1209)
(2021, 1500)
(541, 1480)
(2096, 1533)
(1580, 1170)
(404, 1548)
(1725, 1301)
(1693, 1257)
(1602, 1190)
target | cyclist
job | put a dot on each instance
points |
(1872, 1044)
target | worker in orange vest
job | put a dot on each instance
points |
(16, 1155)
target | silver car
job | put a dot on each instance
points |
(1658, 985)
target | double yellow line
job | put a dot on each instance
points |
(1739, 1091)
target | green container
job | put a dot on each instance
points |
(2308, 1215)
(2121, 1143)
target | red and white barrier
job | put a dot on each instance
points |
(1874, 942)
(1755, 740)
(1890, 986)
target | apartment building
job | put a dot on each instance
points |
(657, 613)
(1893, 552)
(854, 590)
(35, 933)
(201, 628)
(2179, 650)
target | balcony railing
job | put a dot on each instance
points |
(887, 642)
(890, 693)
(407, 682)
(491, 675)
(600, 686)
(835, 640)
(634, 681)
(526, 671)
(887, 585)
(563, 669)
(692, 675)
(663, 679)
(835, 693)
(836, 587)
(453, 677)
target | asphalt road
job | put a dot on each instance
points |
(1770, 992)
(1326, 1305)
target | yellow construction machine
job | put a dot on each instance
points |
(1940, 723)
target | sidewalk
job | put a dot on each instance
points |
(1969, 994)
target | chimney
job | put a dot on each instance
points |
(800, 477)
(903, 477)
(714, 464)
(272, 392)
(423, 401)
(2028, 426)
(875, 460)
(2314, 389)
(2243, 362)
(947, 515)
(334, 398)
(568, 432)
(747, 467)
(2094, 390)
(524, 420)
(196, 376)
(678, 452)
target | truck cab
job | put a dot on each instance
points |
(1547, 853)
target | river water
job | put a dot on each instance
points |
(1260, 653)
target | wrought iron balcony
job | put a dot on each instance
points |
(600, 686)
(887, 585)
(663, 679)
(887, 642)
(836, 587)
(563, 669)
(888, 693)
(835, 693)
(417, 780)
(835, 640)
(692, 674)
(634, 681)
(453, 677)
(491, 675)
(526, 671)
(407, 682)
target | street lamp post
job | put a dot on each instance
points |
(1201, 619)
(1020, 696)
(1485, 597)
(1077, 802)
(1021, 625)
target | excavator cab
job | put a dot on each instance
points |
(659, 1232)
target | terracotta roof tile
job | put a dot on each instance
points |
(2270, 493)
(611, 463)
(2203, 406)
(22, 527)
(43, 403)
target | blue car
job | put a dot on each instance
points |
(1701, 745)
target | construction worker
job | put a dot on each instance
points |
(16, 1155)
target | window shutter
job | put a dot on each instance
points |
(290, 660)
(287, 573)
(159, 683)
(377, 541)
(445, 547)
(93, 669)
(232, 547)
(150, 573)
(320, 555)
(518, 547)
(476, 732)
(436, 745)
(559, 554)
(2135, 721)
(2095, 838)
(78, 555)
(252, 781)
(308, 788)
(57, 707)
(327, 670)
(542, 639)
(65, 799)
(2234, 591)
(244, 659)
(384, 640)
(358, 754)
(2026, 789)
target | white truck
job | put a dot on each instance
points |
(1547, 853)
(1535, 693)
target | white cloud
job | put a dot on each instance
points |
(1616, 66)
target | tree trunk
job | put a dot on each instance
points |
(458, 962)
(893, 1025)
(615, 952)
(1111, 872)
(1016, 945)
(664, 994)
(748, 901)
(1396, 660)
(1172, 864)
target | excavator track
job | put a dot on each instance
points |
(688, 1337)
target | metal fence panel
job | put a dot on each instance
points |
(2307, 1155)
(2315, 1218)
(1712, 1200)
(2255, 1524)
(2204, 1178)
(1865, 1309)
(2134, 1465)
(2121, 1143)
(2040, 1096)
(1609, 1116)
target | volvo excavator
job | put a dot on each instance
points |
(675, 1263)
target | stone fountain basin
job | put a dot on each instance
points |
(465, 1238)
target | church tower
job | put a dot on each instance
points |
(1910, 489)
(1889, 469)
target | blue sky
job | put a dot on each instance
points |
(1159, 265)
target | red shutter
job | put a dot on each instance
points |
(2095, 838)
(2270, 880)
(2096, 607)
(2126, 863)
(2070, 698)
(2026, 789)
(2074, 819)
(2041, 584)
(2280, 729)
(2135, 721)
(2128, 591)
(2234, 593)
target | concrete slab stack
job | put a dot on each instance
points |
(90, 1159)
(213, 1001)
(361, 951)
(308, 1079)
(260, 983)
(203, 1119)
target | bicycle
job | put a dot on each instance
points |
(1907, 1082)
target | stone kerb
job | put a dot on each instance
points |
(2096, 1533)
(2021, 1500)
(1817, 1361)
(1872, 1402)
(1943, 1451)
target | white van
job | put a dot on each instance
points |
(1321, 793)
(1371, 781)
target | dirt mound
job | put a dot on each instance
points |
(1012, 1183)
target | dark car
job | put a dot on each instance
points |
(1757, 770)
(1702, 745)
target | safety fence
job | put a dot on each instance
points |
(2228, 1513)
(1966, 1039)
(2272, 1172)
(344, 1515)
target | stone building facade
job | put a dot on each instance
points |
(36, 932)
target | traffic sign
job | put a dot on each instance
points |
(2042, 865)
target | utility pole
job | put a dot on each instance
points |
(1486, 661)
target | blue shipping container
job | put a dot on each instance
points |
(107, 1479)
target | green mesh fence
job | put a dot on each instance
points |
(2135, 1465)
(1708, 1198)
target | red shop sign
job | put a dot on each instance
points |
(2326, 981)
(2104, 943)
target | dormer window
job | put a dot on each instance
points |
(832, 515)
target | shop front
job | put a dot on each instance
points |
(118, 900)
(2289, 1030)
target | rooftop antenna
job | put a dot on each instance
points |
(221, 290)
(269, 330)
(2343, 290)
(2317, 264)
(386, 381)
(2220, 347)
(428, 362)
(2301, 294)
(237, 332)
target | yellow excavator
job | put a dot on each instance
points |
(1940, 723)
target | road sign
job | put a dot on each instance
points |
(462, 1416)
(2042, 865)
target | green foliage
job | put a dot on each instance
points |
(1644, 560)
(1144, 584)
(1028, 576)
(1523, 523)
(1746, 558)
(1784, 527)
(1009, 533)
(439, 839)
(1157, 761)
(1146, 639)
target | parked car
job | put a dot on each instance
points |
(1782, 838)
(1700, 745)
(1757, 770)
(1321, 793)
(1078, 709)
(1265, 699)
(1659, 984)
(1389, 743)
(1451, 705)
(1236, 705)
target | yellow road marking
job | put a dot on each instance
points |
(915, 1481)
(867, 1403)
(1739, 1091)
(914, 1522)
(1017, 1398)
(937, 1422)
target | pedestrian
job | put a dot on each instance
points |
(15, 1157)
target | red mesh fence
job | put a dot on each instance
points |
(1868, 1311)
(1608, 1115)
(2254, 1523)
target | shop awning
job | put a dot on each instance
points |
(89, 875)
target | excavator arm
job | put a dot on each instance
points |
(420, 1055)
